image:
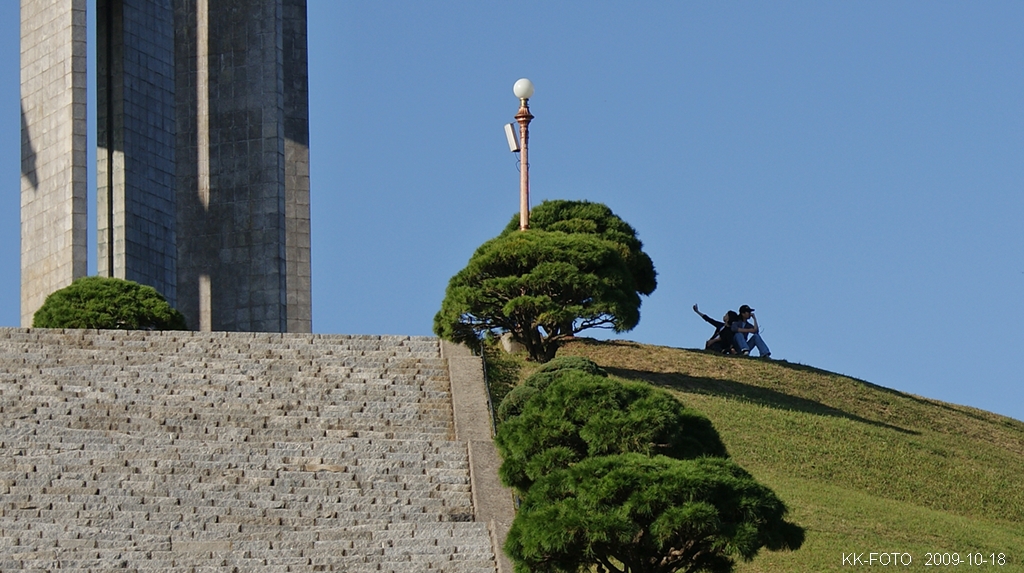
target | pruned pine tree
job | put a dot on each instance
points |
(585, 217)
(580, 415)
(543, 287)
(631, 513)
(108, 303)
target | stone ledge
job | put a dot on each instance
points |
(493, 502)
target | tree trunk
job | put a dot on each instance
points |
(540, 349)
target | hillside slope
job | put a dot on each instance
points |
(863, 468)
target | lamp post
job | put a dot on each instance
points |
(523, 89)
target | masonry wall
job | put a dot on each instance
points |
(135, 142)
(232, 167)
(53, 152)
(166, 452)
(296, 150)
(203, 155)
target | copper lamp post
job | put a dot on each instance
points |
(523, 89)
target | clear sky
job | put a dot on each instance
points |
(854, 171)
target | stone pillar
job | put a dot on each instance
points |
(242, 211)
(135, 142)
(53, 152)
(296, 153)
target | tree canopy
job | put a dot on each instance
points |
(631, 513)
(513, 402)
(108, 303)
(597, 219)
(541, 286)
(579, 415)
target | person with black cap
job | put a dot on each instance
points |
(742, 329)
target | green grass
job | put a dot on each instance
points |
(863, 468)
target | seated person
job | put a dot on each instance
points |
(742, 328)
(722, 339)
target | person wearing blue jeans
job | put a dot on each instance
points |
(742, 329)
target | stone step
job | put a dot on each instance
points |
(204, 343)
(149, 451)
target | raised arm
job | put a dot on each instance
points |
(707, 318)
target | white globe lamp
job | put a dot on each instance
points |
(523, 89)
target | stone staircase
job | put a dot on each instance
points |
(187, 452)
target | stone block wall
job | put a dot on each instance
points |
(203, 175)
(242, 211)
(172, 452)
(135, 139)
(53, 156)
(296, 152)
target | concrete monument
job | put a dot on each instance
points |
(203, 157)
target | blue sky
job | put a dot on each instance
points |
(854, 171)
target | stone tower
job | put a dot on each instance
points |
(135, 114)
(53, 139)
(203, 158)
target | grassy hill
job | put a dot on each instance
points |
(863, 468)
